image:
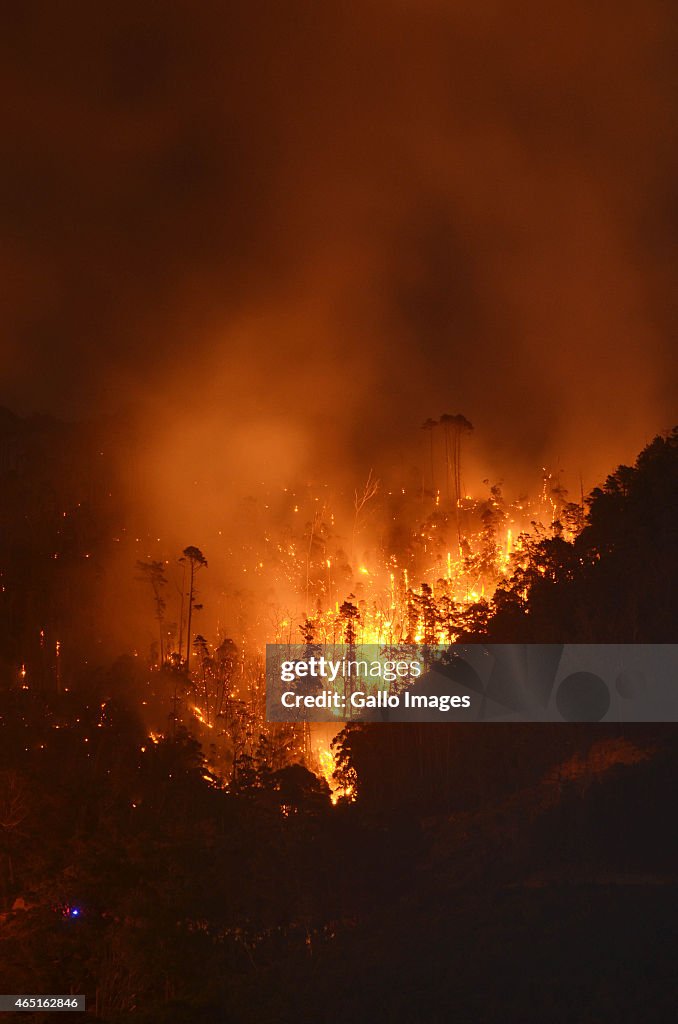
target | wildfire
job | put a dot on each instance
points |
(422, 568)
(327, 765)
(200, 716)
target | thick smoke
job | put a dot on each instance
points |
(279, 237)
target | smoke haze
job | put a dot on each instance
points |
(281, 236)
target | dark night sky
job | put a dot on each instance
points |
(258, 221)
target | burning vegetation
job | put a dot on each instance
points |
(428, 563)
(148, 796)
(393, 566)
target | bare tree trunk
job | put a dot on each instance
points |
(190, 617)
(181, 611)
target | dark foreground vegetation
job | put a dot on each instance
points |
(490, 874)
(540, 886)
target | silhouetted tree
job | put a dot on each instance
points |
(615, 581)
(196, 561)
(350, 615)
(455, 427)
(360, 500)
(153, 573)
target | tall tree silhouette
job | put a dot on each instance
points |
(455, 426)
(196, 561)
(360, 500)
(153, 573)
(616, 581)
